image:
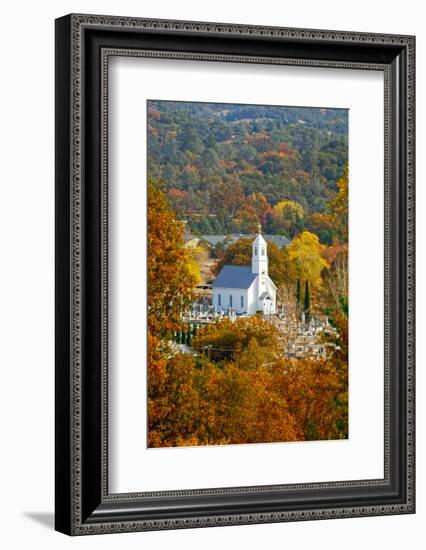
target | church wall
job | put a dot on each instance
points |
(252, 302)
(273, 294)
(252, 298)
(236, 299)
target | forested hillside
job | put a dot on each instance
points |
(225, 168)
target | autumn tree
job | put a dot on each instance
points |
(227, 198)
(337, 278)
(338, 208)
(170, 282)
(310, 389)
(237, 253)
(239, 388)
(259, 203)
(332, 225)
(229, 339)
(288, 216)
(157, 380)
(170, 285)
(338, 345)
(322, 225)
(246, 218)
(174, 403)
(200, 402)
(197, 257)
(305, 252)
(179, 201)
(242, 407)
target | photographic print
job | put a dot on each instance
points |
(247, 273)
(201, 277)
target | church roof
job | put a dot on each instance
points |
(279, 240)
(235, 276)
(213, 240)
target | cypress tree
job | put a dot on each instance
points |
(298, 294)
(307, 305)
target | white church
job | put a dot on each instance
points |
(246, 289)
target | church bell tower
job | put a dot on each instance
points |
(259, 256)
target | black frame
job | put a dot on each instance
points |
(83, 45)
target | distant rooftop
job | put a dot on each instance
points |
(213, 240)
(279, 240)
(188, 237)
(235, 276)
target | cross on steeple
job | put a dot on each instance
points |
(259, 228)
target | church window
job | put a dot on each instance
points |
(219, 299)
(230, 300)
(262, 251)
(255, 250)
(242, 301)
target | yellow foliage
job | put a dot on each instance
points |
(339, 207)
(288, 208)
(306, 253)
(194, 270)
(196, 256)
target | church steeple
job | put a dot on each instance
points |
(259, 256)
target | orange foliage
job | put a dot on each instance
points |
(284, 152)
(213, 404)
(251, 394)
(236, 386)
(154, 113)
(310, 388)
(260, 204)
(257, 138)
(228, 339)
(170, 282)
(330, 253)
(227, 164)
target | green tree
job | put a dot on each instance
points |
(209, 159)
(298, 294)
(189, 140)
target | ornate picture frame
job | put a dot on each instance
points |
(84, 44)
